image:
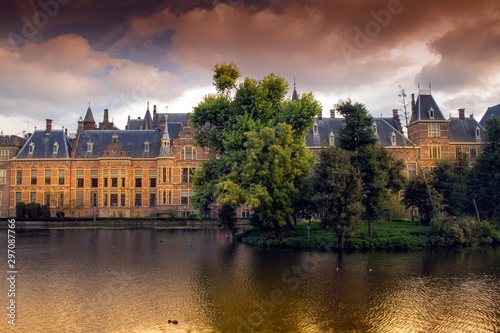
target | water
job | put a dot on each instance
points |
(137, 280)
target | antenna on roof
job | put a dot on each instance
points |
(294, 83)
(148, 105)
(429, 84)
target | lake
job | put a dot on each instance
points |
(138, 280)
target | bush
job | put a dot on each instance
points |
(461, 231)
(193, 216)
(20, 210)
(33, 210)
(45, 211)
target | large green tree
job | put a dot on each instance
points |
(234, 127)
(338, 191)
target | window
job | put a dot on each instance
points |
(146, 146)
(478, 133)
(55, 148)
(105, 200)
(31, 148)
(188, 153)
(90, 146)
(60, 200)
(33, 176)
(164, 175)
(79, 178)
(61, 176)
(412, 170)
(138, 178)
(79, 198)
(94, 178)
(123, 177)
(473, 152)
(184, 197)
(46, 199)
(152, 199)
(331, 139)
(105, 178)
(19, 177)
(393, 139)
(434, 130)
(458, 151)
(435, 152)
(315, 128)
(113, 199)
(93, 199)
(374, 128)
(152, 178)
(138, 199)
(187, 175)
(169, 175)
(32, 196)
(114, 177)
(431, 113)
(47, 176)
(3, 176)
(18, 197)
(169, 197)
(5, 155)
(164, 196)
(122, 199)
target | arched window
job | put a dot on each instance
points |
(393, 139)
(146, 146)
(331, 139)
(31, 148)
(55, 148)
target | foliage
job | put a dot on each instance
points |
(251, 136)
(20, 210)
(171, 212)
(357, 131)
(416, 195)
(33, 210)
(393, 208)
(45, 211)
(227, 216)
(484, 183)
(338, 191)
(461, 231)
(194, 216)
(450, 179)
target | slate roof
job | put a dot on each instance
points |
(328, 126)
(132, 141)
(464, 130)
(492, 111)
(422, 105)
(89, 116)
(44, 145)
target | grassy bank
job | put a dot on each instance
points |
(386, 235)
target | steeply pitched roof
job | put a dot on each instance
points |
(425, 102)
(148, 121)
(492, 111)
(464, 130)
(89, 116)
(43, 146)
(132, 141)
(386, 127)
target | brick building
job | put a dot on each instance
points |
(9, 147)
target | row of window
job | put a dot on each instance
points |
(113, 199)
(435, 152)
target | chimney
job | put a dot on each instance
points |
(106, 116)
(332, 113)
(461, 114)
(395, 115)
(66, 131)
(48, 128)
(320, 115)
(413, 106)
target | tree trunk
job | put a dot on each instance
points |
(370, 232)
(340, 241)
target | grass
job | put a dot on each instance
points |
(398, 234)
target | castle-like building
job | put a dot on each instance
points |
(146, 169)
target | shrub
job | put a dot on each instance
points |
(45, 211)
(33, 210)
(193, 216)
(20, 210)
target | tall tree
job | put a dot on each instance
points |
(484, 183)
(338, 191)
(233, 128)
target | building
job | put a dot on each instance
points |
(9, 147)
(493, 111)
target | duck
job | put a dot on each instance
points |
(175, 322)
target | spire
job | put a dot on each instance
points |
(89, 116)
(148, 121)
(294, 95)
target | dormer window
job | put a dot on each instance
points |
(393, 139)
(55, 148)
(477, 130)
(31, 148)
(146, 146)
(315, 128)
(431, 113)
(374, 128)
(90, 146)
(331, 139)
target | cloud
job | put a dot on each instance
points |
(58, 78)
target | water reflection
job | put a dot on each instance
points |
(136, 280)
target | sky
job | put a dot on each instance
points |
(57, 56)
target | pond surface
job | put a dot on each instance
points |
(138, 280)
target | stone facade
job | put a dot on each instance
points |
(9, 147)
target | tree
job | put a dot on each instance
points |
(338, 189)
(484, 183)
(225, 77)
(380, 171)
(416, 195)
(264, 180)
(257, 114)
(450, 179)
